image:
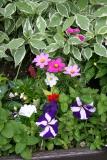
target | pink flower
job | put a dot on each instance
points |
(72, 30)
(41, 60)
(56, 65)
(73, 71)
(80, 37)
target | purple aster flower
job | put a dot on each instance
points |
(80, 37)
(73, 71)
(82, 111)
(49, 126)
(51, 108)
(42, 60)
(72, 30)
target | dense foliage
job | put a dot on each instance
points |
(74, 34)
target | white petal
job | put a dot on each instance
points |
(91, 109)
(47, 116)
(75, 109)
(52, 131)
(44, 131)
(83, 113)
(78, 101)
(42, 122)
(53, 122)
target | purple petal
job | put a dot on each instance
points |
(41, 122)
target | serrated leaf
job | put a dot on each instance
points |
(68, 22)
(41, 24)
(100, 50)
(19, 55)
(27, 29)
(76, 53)
(61, 8)
(55, 20)
(83, 22)
(101, 12)
(15, 43)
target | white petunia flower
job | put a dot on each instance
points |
(27, 110)
(51, 79)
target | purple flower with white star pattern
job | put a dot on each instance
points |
(82, 111)
(49, 126)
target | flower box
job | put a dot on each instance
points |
(71, 154)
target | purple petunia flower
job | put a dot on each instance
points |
(82, 111)
(51, 108)
(49, 126)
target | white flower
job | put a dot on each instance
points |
(27, 110)
(21, 95)
(11, 95)
(51, 79)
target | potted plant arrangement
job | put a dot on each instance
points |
(53, 79)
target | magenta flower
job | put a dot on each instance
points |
(41, 60)
(80, 37)
(72, 30)
(56, 65)
(73, 71)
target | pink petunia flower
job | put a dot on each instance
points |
(80, 37)
(73, 71)
(42, 60)
(56, 65)
(72, 30)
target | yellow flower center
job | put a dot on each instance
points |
(72, 71)
(42, 60)
(56, 65)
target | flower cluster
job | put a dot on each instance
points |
(47, 120)
(75, 32)
(54, 66)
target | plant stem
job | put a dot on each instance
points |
(18, 71)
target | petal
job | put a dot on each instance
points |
(53, 121)
(48, 117)
(46, 130)
(52, 131)
(78, 101)
(90, 108)
(83, 114)
(44, 123)
(75, 109)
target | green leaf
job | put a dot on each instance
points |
(83, 22)
(100, 50)
(9, 10)
(67, 23)
(3, 140)
(57, 1)
(41, 24)
(82, 4)
(37, 44)
(27, 29)
(42, 6)
(66, 49)
(76, 53)
(52, 47)
(55, 20)
(61, 8)
(59, 39)
(3, 90)
(101, 12)
(19, 148)
(15, 43)
(102, 30)
(26, 7)
(3, 36)
(8, 130)
(74, 41)
(87, 53)
(2, 52)
(50, 146)
(32, 140)
(26, 154)
(64, 107)
(3, 115)
(19, 55)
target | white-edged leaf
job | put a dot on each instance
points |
(101, 12)
(37, 44)
(82, 21)
(102, 30)
(15, 43)
(27, 29)
(9, 10)
(68, 22)
(41, 24)
(74, 41)
(19, 55)
(66, 49)
(100, 50)
(76, 53)
(55, 20)
(2, 52)
(87, 53)
(59, 39)
(61, 8)
(52, 47)
(42, 6)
